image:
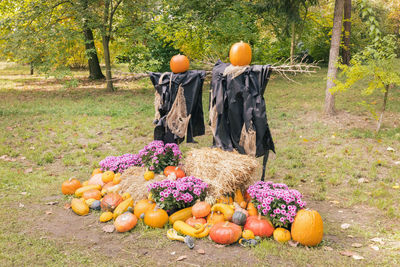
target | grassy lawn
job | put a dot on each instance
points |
(50, 132)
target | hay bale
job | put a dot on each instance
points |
(134, 183)
(224, 171)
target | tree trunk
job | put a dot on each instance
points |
(333, 56)
(106, 42)
(292, 43)
(31, 67)
(383, 107)
(347, 31)
(93, 61)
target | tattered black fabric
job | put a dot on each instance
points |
(167, 87)
(237, 111)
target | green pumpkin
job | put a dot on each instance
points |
(239, 218)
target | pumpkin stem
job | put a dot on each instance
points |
(259, 216)
(226, 224)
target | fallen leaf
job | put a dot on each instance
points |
(378, 240)
(340, 211)
(305, 140)
(328, 248)
(293, 243)
(181, 258)
(376, 248)
(351, 236)
(219, 246)
(356, 245)
(67, 206)
(201, 251)
(347, 253)
(345, 226)
(23, 193)
(49, 212)
(109, 228)
(390, 149)
(29, 170)
(358, 257)
(173, 252)
(21, 205)
(52, 203)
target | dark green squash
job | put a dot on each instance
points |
(239, 218)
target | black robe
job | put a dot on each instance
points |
(192, 83)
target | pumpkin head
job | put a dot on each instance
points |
(251, 209)
(125, 222)
(172, 170)
(69, 187)
(97, 171)
(107, 176)
(156, 218)
(117, 178)
(110, 201)
(240, 54)
(192, 221)
(215, 217)
(259, 226)
(179, 63)
(96, 179)
(142, 206)
(307, 228)
(92, 194)
(282, 235)
(239, 217)
(225, 233)
(201, 209)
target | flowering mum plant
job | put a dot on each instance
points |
(178, 194)
(120, 163)
(276, 201)
(157, 155)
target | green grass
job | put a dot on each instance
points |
(64, 133)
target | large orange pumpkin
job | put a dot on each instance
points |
(259, 226)
(201, 209)
(69, 186)
(110, 201)
(240, 54)
(125, 222)
(179, 63)
(307, 228)
(142, 206)
(225, 233)
(156, 218)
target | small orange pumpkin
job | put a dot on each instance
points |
(192, 221)
(125, 222)
(215, 217)
(282, 235)
(107, 176)
(156, 218)
(97, 171)
(142, 206)
(240, 54)
(69, 186)
(201, 209)
(173, 170)
(307, 228)
(179, 63)
(92, 193)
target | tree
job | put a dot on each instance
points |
(346, 32)
(333, 56)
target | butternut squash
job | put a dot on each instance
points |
(181, 215)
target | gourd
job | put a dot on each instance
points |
(238, 196)
(69, 186)
(79, 207)
(156, 217)
(142, 206)
(117, 178)
(225, 200)
(225, 209)
(240, 54)
(225, 233)
(186, 229)
(148, 175)
(96, 180)
(79, 192)
(107, 176)
(110, 201)
(96, 171)
(282, 235)
(307, 228)
(95, 205)
(125, 222)
(126, 195)
(239, 217)
(92, 193)
(248, 234)
(123, 207)
(179, 63)
(89, 201)
(174, 171)
(259, 226)
(192, 221)
(251, 209)
(111, 189)
(106, 216)
(172, 234)
(181, 215)
(201, 209)
(215, 217)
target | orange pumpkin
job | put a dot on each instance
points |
(179, 63)
(225, 233)
(97, 171)
(240, 54)
(92, 193)
(117, 178)
(96, 179)
(251, 209)
(156, 217)
(125, 222)
(69, 186)
(259, 226)
(215, 217)
(192, 221)
(307, 228)
(107, 177)
(172, 170)
(142, 206)
(282, 235)
(110, 201)
(201, 209)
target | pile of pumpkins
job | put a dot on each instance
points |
(228, 221)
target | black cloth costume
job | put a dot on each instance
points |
(241, 101)
(192, 83)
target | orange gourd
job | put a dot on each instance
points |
(142, 206)
(179, 63)
(251, 209)
(240, 54)
(307, 228)
(172, 170)
(201, 209)
(92, 193)
(69, 187)
(156, 217)
(192, 221)
(125, 222)
(215, 217)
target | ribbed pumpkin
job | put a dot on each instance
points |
(215, 217)
(192, 221)
(201, 209)
(240, 54)
(282, 235)
(307, 228)
(179, 63)
(125, 222)
(142, 206)
(239, 217)
(156, 218)
(259, 226)
(110, 201)
(225, 233)
(69, 186)
(172, 170)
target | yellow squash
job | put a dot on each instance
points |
(172, 234)
(79, 192)
(123, 207)
(186, 229)
(225, 209)
(106, 216)
(181, 215)
(79, 207)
